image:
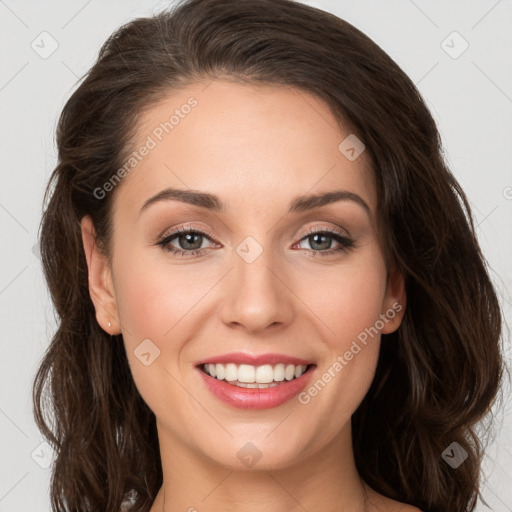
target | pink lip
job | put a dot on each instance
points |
(255, 398)
(241, 358)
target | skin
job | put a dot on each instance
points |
(257, 148)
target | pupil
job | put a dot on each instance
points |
(318, 236)
(188, 239)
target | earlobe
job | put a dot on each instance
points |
(395, 300)
(101, 288)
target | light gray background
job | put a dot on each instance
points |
(470, 97)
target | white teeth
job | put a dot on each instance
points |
(246, 375)
(219, 371)
(279, 372)
(253, 385)
(264, 374)
(289, 372)
(211, 369)
(231, 372)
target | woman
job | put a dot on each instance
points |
(270, 291)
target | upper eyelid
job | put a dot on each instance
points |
(318, 229)
(187, 229)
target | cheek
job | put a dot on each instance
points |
(347, 299)
(152, 299)
(348, 303)
(143, 305)
(156, 303)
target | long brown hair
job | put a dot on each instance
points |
(438, 374)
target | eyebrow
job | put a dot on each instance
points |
(214, 203)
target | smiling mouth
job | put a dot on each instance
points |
(256, 377)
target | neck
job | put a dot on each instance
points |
(194, 483)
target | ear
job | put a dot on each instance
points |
(101, 286)
(394, 301)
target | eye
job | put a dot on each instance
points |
(321, 241)
(186, 242)
(189, 241)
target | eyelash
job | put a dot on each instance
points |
(345, 243)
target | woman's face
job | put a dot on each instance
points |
(279, 278)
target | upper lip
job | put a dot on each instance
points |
(254, 360)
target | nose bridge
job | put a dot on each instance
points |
(257, 297)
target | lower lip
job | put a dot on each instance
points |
(254, 398)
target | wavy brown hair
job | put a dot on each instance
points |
(437, 376)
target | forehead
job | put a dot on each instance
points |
(254, 145)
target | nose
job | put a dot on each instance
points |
(257, 296)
